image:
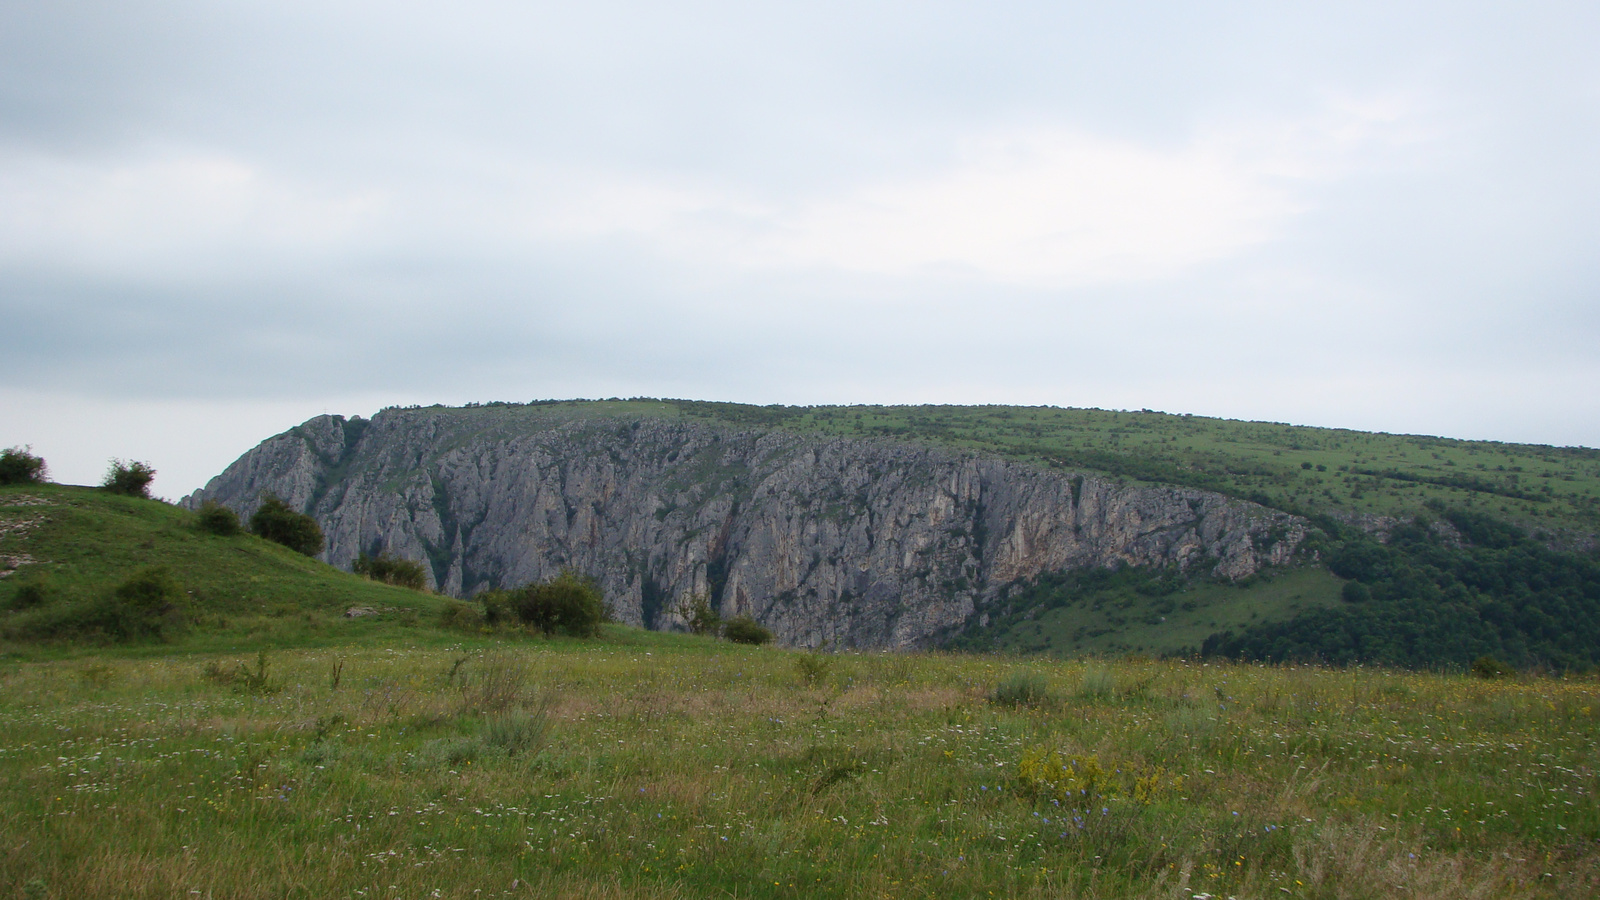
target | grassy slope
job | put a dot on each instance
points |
(243, 590)
(1115, 622)
(655, 765)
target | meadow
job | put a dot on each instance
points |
(656, 765)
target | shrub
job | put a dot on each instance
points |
(32, 590)
(569, 604)
(745, 630)
(697, 614)
(18, 466)
(813, 668)
(1489, 667)
(155, 603)
(394, 570)
(1021, 688)
(497, 609)
(460, 616)
(276, 522)
(131, 479)
(519, 731)
(214, 518)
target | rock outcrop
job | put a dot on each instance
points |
(834, 541)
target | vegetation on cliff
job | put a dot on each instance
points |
(1430, 597)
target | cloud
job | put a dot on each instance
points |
(1043, 206)
(166, 211)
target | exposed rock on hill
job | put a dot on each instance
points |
(826, 540)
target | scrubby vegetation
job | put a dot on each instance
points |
(276, 522)
(129, 478)
(568, 604)
(18, 465)
(1431, 596)
(214, 518)
(745, 630)
(653, 765)
(394, 570)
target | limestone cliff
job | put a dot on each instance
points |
(860, 543)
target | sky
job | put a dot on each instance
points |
(220, 219)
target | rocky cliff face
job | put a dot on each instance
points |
(827, 541)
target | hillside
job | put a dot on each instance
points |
(78, 544)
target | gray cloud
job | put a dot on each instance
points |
(1367, 215)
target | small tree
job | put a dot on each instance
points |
(395, 570)
(276, 522)
(214, 518)
(745, 630)
(19, 466)
(129, 478)
(696, 612)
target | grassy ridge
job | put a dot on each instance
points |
(1297, 468)
(1545, 488)
(659, 766)
(241, 590)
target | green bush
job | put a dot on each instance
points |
(18, 466)
(497, 610)
(131, 479)
(1021, 688)
(697, 614)
(460, 616)
(745, 630)
(395, 570)
(33, 589)
(813, 668)
(1489, 667)
(149, 604)
(276, 522)
(214, 518)
(567, 604)
(519, 731)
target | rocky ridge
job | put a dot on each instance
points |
(828, 541)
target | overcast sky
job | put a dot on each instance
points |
(220, 219)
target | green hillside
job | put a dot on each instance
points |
(76, 545)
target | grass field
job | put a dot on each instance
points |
(650, 765)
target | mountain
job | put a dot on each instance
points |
(830, 538)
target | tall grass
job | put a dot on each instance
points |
(687, 768)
